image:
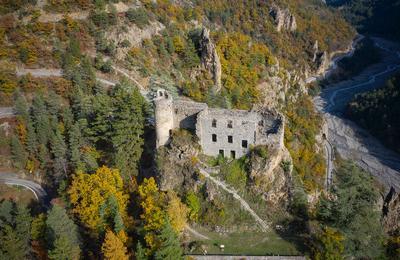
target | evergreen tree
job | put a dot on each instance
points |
(59, 152)
(62, 235)
(23, 220)
(21, 106)
(75, 143)
(18, 153)
(127, 128)
(15, 222)
(64, 249)
(140, 252)
(53, 102)
(170, 248)
(31, 139)
(41, 120)
(11, 247)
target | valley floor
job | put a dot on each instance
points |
(351, 141)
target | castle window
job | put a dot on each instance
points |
(230, 124)
(221, 152)
(214, 123)
(261, 123)
(244, 143)
(230, 139)
(176, 111)
(161, 94)
(233, 154)
(214, 138)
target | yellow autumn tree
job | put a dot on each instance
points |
(177, 212)
(153, 215)
(113, 248)
(156, 206)
(91, 193)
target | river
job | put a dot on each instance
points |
(347, 138)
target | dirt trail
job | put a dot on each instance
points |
(206, 172)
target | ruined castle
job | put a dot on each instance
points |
(225, 132)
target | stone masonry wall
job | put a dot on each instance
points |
(244, 126)
(220, 131)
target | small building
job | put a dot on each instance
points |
(226, 132)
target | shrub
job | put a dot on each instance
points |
(138, 16)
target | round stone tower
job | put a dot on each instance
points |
(164, 116)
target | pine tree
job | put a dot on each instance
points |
(140, 252)
(23, 220)
(41, 120)
(127, 124)
(62, 235)
(11, 247)
(21, 106)
(15, 222)
(59, 152)
(64, 249)
(75, 143)
(31, 139)
(53, 102)
(18, 153)
(113, 248)
(170, 248)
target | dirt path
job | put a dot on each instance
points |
(206, 172)
(195, 233)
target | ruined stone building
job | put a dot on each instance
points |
(228, 132)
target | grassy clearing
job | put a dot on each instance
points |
(249, 243)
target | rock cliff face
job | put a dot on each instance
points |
(177, 166)
(284, 20)
(391, 212)
(210, 59)
(272, 177)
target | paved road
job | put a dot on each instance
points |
(206, 172)
(6, 112)
(329, 164)
(351, 141)
(35, 188)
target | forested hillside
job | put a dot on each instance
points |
(79, 75)
(377, 17)
(379, 112)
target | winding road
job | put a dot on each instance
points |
(13, 179)
(350, 140)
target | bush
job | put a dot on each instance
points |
(138, 16)
(235, 173)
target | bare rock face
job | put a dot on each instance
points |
(271, 177)
(284, 20)
(210, 59)
(176, 166)
(391, 212)
(322, 61)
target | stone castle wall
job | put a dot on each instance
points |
(228, 132)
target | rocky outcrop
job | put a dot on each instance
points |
(322, 62)
(132, 35)
(391, 212)
(271, 176)
(176, 163)
(284, 20)
(210, 59)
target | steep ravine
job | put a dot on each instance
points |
(351, 141)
